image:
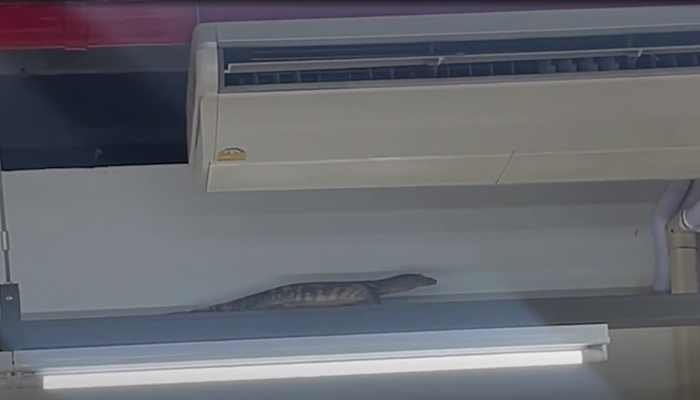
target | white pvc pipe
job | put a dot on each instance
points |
(693, 195)
(666, 208)
(690, 217)
(697, 256)
(692, 199)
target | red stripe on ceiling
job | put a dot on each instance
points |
(134, 24)
(76, 26)
(79, 25)
(31, 25)
(219, 12)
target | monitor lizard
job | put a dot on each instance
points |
(323, 294)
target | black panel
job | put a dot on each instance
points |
(93, 156)
(102, 60)
(84, 121)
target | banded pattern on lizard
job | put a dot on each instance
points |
(324, 294)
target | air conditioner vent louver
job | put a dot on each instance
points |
(438, 70)
(260, 67)
(469, 47)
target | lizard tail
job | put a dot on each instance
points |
(199, 310)
(230, 306)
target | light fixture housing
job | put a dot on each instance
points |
(306, 357)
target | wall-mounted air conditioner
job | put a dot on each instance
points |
(490, 98)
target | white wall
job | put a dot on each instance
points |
(141, 237)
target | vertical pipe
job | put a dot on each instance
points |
(690, 217)
(684, 279)
(692, 199)
(668, 206)
(4, 236)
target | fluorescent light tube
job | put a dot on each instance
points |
(308, 357)
(312, 369)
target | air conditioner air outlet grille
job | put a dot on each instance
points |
(252, 54)
(435, 69)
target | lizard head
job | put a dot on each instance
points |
(405, 282)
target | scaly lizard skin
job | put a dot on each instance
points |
(324, 294)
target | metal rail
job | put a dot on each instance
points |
(619, 312)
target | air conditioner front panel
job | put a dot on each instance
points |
(469, 119)
(626, 165)
(515, 132)
(361, 173)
